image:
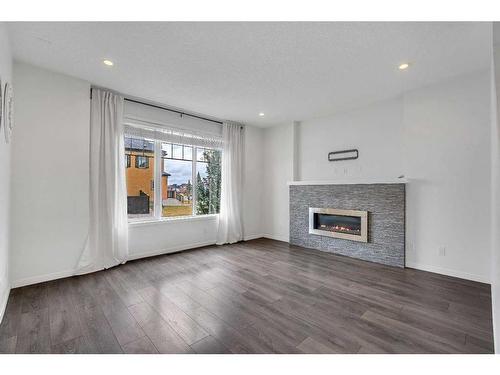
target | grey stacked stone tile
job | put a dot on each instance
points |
(385, 204)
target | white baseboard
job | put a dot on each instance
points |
(59, 275)
(3, 302)
(448, 272)
(418, 266)
(41, 278)
(249, 237)
(169, 250)
(276, 237)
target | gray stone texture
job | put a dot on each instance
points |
(385, 204)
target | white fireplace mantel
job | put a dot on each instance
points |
(351, 181)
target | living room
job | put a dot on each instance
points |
(249, 187)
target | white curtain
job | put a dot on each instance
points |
(107, 243)
(230, 228)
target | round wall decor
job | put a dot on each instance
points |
(8, 111)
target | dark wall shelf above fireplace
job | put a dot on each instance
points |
(343, 155)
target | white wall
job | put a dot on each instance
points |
(146, 239)
(5, 155)
(50, 159)
(50, 181)
(253, 177)
(447, 149)
(438, 137)
(278, 169)
(495, 185)
(375, 131)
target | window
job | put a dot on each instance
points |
(208, 177)
(127, 160)
(177, 174)
(188, 177)
(142, 161)
(140, 178)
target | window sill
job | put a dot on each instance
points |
(171, 220)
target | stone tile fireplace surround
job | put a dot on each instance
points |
(385, 203)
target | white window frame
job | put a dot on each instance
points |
(157, 204)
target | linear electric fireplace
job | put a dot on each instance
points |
(332, 222)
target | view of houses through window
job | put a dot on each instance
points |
(140, 177)
(190, 179)
(177, 174)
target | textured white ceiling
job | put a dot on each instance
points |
(289, 71)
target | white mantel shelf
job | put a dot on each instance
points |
(351, 182)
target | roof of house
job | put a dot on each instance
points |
(138, 144)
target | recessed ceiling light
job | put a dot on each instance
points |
(261, 114)
(404, 66)
(108, 62)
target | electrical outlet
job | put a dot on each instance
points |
(442, 251)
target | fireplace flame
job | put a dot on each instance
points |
(339, 228)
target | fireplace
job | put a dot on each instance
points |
(345, 224)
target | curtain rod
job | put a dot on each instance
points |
(164, 108)
(172, 110)
(168, 109)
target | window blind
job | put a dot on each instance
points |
(143, 129)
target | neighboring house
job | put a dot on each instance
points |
(181, 193)
(139, 162)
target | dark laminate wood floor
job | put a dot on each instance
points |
(260, 296)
